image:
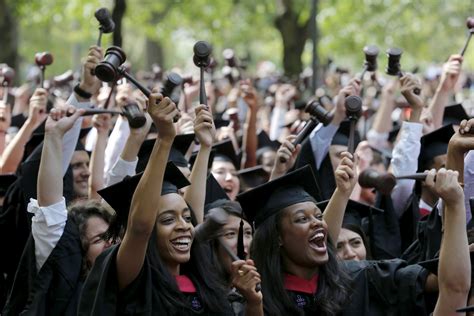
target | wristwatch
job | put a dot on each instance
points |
(80, 92)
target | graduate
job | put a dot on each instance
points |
(157, 268)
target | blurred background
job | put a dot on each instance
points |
(163, 32)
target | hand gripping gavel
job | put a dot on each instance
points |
(394, 68)
(6, 74)
(135, 117)
(371, 52)
(202, 52)
(318, 114)
(107, 25)
(42, 60)
(210, 229)
(353, 106)
(470, 27)
(111, 69)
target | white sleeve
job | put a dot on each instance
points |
(120, 170)
(405, 161)
(468, 182)
(376, 139)
(277, 121)
(47, 227)
(116, 143)
(71, 137)
(321, 138)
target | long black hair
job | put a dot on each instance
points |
(333, 283)
(209, 289)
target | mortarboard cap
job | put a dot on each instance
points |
(219, 122)
(214, 191)
(355, 212)
(434, 144)
(454, 114)
(225, 151)
(119, 195)
(177, 154)
(267, 199)
(252, 177)
(342, 135)
(5, 181)
(264, 141)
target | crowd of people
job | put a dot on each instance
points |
(232, 207)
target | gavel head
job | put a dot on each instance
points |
(371, 52)
(174, 80)
(7, 73)
(108, 69)
(353, 106)
(202, 52)
(382, 182)
(134, 115)
(314, 108)
(43, 59)
(229, 57)
(107, 25)
(393, 67)
(470, 23)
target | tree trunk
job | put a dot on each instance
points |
(117, 16)
(294, 38)
(8, 35)
(154, 53)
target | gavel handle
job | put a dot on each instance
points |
(363, 73)
(234, 257)
(137, 84)
(466, 44)
(302, 135)
(109, 97)
(42, 68)
(90, 112)
(99, 40)
(5, 94)
(202, 88)
(416, 91)
(351, 143)
(416, 176)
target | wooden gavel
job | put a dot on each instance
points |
(107, 25)
(470, 27)
(371, 52)
(394, 68)
(202, 52)
(7, 74)
(353, 106)
(42, 60)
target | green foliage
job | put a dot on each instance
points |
(428, 31)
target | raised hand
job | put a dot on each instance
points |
(249, 94)
(463, 140)
(245, 278)
(353, 88)
(37, 109)
(89, 82)
(451, 72)
(204, 126)
(162, 111)
(445, 184)
(59, 121)
(102, 122)
(409, 82)
(287, 153)
(284, 94)
(346, 174)
(5, 117)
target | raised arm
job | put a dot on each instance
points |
(289, 153)
(346, 178)
(5, 121)
(250, 142)
(13, 153)
(101, 123)
(454, 270)
(205, 132)
(144, 207)
(449, 77)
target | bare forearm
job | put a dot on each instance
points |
(143, 210)
(250, 139)
(194, 196)
(2, 142)
(455, 161)
(13, 152)
(132, 147)
(96, 179)
(436, 107)
(50, 179)
(254, 310)
(334, 213)
(382, 116)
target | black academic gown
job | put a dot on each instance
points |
(55, 289)
(409, 221)
(324, 174)
(384, 288)
(101, 296)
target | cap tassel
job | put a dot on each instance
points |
(240, 241)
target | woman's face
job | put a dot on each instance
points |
(95, 229)
(230, 233)
(174, 230)
(350, 246)
(268, 160)
(303, 237)
(227, 177)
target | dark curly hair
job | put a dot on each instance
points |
(80, 212)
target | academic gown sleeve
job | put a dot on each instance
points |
(389, 287)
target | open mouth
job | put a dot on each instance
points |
(228, 189)
(182, 244)
(318, 241)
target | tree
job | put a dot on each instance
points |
(8, 34)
